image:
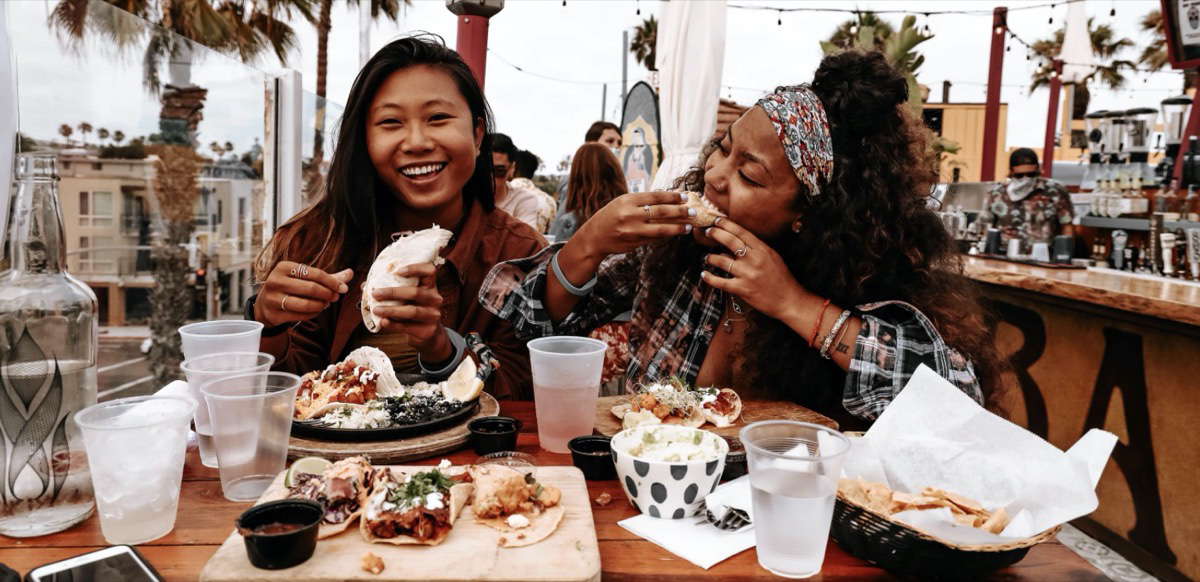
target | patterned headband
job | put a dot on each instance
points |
(803, 130)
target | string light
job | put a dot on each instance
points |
(639, 7)
(1113, 13)
(780, 20)
(1052, 7)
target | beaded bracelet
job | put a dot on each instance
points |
(837, 325)
(583, 291)
(817, 328)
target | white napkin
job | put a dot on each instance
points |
(703, 545)
(934, 435)
(151, 410)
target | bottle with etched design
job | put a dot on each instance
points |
(48, 346)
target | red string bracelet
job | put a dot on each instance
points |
(817, 328)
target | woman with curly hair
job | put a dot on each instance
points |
(827, 283)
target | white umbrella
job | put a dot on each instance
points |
(1076, 52)
(690, 56)
(8, 117)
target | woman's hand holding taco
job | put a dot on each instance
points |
(634, 220)
(418, 313)
(754, 272)
(296, 292)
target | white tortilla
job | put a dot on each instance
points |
(419, 247)
(723, 420)
(387, 384)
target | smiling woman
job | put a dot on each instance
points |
(410, 156)
(827, 281)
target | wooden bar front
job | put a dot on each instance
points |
(1093, 349)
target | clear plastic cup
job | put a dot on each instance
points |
(794, 470)
(205, 369)
(251, 418)
(135, 447)
(566, 384)
(212, 337)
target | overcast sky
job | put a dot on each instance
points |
(567, 53)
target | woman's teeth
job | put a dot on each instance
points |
(420, 171)
(704, 201)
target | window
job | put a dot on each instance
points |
(95, 209)
(94, 257)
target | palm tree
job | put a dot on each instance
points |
(848, 34)
(66, 130)
(102, 133)
(118, 136)
(324, 23)
(84, 129)
(234, 27)
(1108, 69)
(645, 36)
(898, 45)
(1154, 55)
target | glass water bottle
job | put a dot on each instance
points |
(48, 338)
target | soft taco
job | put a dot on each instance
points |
(720, 407)
(523, 510)
(706, 212)
(342, 488)
(673, 402)
(422, 246)
(365, 374)
(420, 508)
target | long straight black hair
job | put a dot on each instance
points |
(342, 228)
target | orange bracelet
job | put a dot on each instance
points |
(817, 328)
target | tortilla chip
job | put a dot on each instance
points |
(996, 522)
(966, 504)
(540, 527)
(906, 501)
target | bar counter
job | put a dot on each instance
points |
(1104, 349)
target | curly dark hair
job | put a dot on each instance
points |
(869, 236)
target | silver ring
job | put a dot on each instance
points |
(742, 251)
(647, 209)
(282, 301)
(729, 269)
(292, 273)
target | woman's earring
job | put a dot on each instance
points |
(796, 226)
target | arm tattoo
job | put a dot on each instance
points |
(842, 347)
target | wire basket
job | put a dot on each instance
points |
(903, 550)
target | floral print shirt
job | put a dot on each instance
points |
(895, 339)
(1036, 219)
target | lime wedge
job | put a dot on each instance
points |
(314, 465)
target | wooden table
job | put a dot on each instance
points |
(206, 518)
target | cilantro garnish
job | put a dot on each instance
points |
(414, 491)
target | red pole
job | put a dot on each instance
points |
(472, 43)
(991, 112)
(1052, 121)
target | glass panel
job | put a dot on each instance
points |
(320, 119)
(160, 111)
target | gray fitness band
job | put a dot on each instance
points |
(562, 280)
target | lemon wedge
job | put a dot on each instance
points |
(463, 385)
(314, 465)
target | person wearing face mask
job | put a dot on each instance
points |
(827, 281)
(1027, 206)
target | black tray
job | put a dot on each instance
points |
(312, 429)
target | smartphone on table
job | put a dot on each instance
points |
(112, 563)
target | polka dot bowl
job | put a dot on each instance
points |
(668, 489)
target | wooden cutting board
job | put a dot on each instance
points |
(470, 553)
(608, 424)
(442, 441)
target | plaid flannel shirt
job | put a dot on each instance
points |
(895, 338)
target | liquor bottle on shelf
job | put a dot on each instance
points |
(1191, 211)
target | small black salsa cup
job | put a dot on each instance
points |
(735, 461)
(491, 434)
(593, 455)
(273, 551)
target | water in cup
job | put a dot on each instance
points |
(251, 418)
(136, 447)
(564, 413)
(781, 500)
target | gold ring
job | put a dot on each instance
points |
(647, 209)
(282, 301)
(742, 251)
(729, 269)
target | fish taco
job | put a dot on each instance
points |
(342, 488)
(514, 503)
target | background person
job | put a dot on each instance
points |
(524, 167)
(1027, 206)
(521, 204)
(595, 179)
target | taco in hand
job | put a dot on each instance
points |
(413, 509)
(525, 511)
(342, 488)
